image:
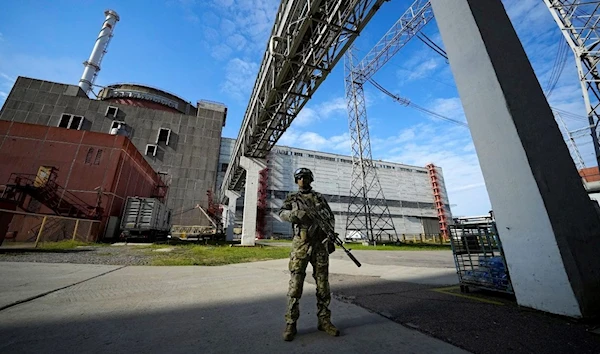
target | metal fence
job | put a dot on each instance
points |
(32, 229)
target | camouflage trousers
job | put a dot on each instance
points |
(302, 253)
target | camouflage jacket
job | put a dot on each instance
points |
(313, 199)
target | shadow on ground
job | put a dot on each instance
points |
(480, 321)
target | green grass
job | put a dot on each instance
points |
(275, 241)
(66, 245)
(400, 247)
(214, 255)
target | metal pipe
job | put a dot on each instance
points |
(92, 65)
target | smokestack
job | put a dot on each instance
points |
(92, 65)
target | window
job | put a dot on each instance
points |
(115, 124)
(111, 111)
(224, 167)
(163, 136)
(88, 156)
(151, 150)
(70, 121)
(98, 157)
(297, 154)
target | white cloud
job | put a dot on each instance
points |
(3, 94)
(221, 51)
(315, 141)
(423, 69)
(432, 143)
(448, 107)
(239, 78)
(320, 111)
(243, 24)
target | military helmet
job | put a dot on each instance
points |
(303, 172)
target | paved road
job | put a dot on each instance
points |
(235, 308)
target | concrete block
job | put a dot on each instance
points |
(46, 86)
(35, 84)
(30, 95)
(11, 104)
(8, 114)
(32, 118)
(25, 106)
(47, 108)
(73, 91)
(17, 93)
(83, 104)
(20, 116)
(97, 107)
(63, 101)
(44, 119)
(183, 129)
(192, 121)
(58, 88)
(48, 98)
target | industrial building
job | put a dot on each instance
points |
(180, 149)
(179, 140)
(74, 174)
(409, 190)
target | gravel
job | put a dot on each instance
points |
(110, 255)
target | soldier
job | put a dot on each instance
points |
(307, 246)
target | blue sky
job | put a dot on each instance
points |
(211, 49)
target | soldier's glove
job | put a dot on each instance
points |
(300, 217)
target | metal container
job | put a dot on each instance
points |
(145, 217)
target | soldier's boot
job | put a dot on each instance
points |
(290, 332)
(326, 326)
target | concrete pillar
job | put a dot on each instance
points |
(252, 166)
(229, 213)
(547, 223)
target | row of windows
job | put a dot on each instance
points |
(72, 121)
(329, 158)
(331, 198)
(345, 213)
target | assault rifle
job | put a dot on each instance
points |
(322, 217)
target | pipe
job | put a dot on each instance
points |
(92, 65)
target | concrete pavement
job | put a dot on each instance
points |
(235, 308)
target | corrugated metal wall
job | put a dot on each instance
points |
(407, 189)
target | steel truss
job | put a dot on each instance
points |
(368, 212)
(308, 39)
(578, 21)
(570, 140)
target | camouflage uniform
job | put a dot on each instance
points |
(307, 246)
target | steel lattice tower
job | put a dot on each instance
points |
(368, 212)
(578, 21)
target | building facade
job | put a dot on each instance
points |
(179, 140)
(408, 190)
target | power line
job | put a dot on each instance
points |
(431, 44)
(406, 102)
(559, 65)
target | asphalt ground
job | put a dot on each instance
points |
(397, 302)
(140, 309)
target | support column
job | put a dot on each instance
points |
(229, 213)
(252, 166)
(547, 223)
